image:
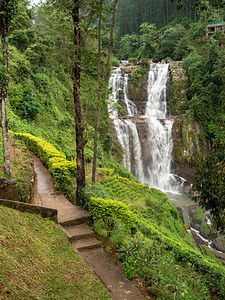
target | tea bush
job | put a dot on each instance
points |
(109, 210)
(62, 170)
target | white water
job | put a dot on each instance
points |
(118, 82)
(159, 144)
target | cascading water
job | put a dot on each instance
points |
(148, 158)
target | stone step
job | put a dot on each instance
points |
(87, 243)
(78, 232)
(74, 215)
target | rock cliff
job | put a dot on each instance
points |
(187, 134)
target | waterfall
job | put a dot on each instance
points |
(146, 139)
(119, 84)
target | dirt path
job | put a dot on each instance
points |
(73, 219)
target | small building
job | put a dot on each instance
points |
(212, 27)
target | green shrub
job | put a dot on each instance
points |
(41, 80)
(90, 191)
(133, 60)
(199, 215)
(109, 210)
(62, 170)
(205, 229)
(213, 274)
(114, 61)
(106, 171)
(29, 107)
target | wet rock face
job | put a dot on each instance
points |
(143, 132)
(178, 87)
(8, 189)
(187, 143)
(219, 243)
(200, 220)
(140, 99)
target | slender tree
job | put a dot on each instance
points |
(7, 12)
(75, 7)
(77, 105)
(101, 81)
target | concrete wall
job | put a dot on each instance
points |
(30, 208)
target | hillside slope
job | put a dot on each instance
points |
(38, 262)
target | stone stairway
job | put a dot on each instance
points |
(81, 236)
(74, 220)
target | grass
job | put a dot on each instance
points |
(38, 262)
(163, 272)
(21, 167)
(150, 204)
(141, 255)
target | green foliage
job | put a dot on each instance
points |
(107, 143)
(148, 203)
(20, 40)
(213, 274)
(114, 61)
(197, 31)
(128, 45)
(41, 80)
(62, 170)
(110, 210)
(106, 171)
(174, 43)
(204, 229)
(151, 249)
(128, 266)
(8, 10)
(22, 171)
(206, 87)
(90, 191)
(199, 215)
(135, 79)
(209, 183)
(133, 60)
(2, 75)
(29, 108)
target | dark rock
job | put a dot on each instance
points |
(14, 181)
(188, 190)
(8, 189)
(140, 96)
(187, 142)
(219, 243)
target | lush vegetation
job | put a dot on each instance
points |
(203, 59)
(21, 167)
(145, 234)
(62, 170)
(142, 229)
(37, 261)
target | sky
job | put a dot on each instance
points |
(34, 2)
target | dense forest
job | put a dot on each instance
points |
(60, 57)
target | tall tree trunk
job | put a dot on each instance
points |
(163, 14)
(101, 84)
(3, 99)
(94, 165)
(167, 11)
(77, 105)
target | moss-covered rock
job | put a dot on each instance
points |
(179, 84)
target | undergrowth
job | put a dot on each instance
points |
(38, 262)
(146, 236)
